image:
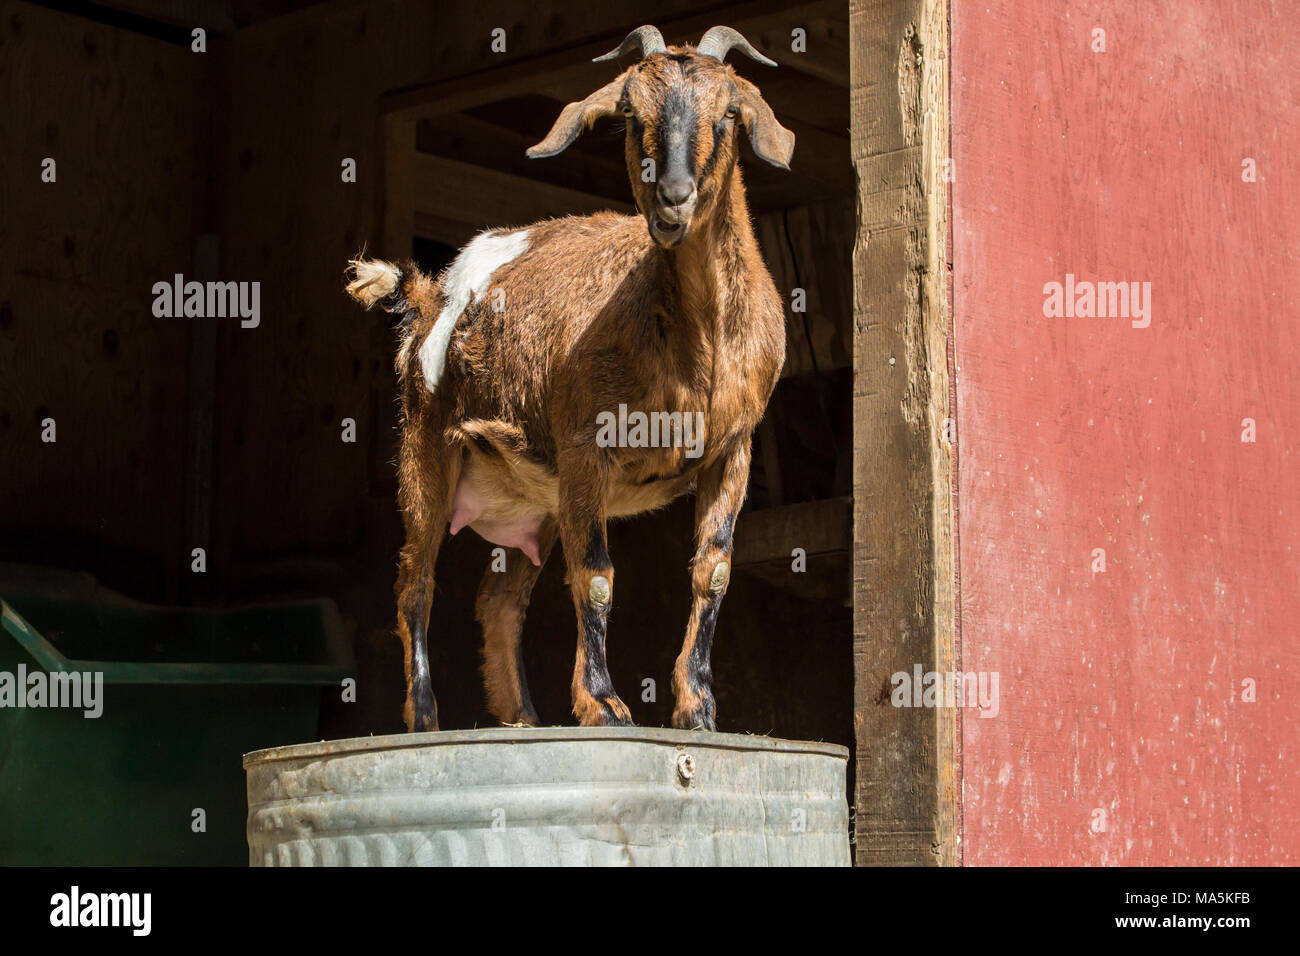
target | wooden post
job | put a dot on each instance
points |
(907, 790)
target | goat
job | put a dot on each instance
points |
(512, 358)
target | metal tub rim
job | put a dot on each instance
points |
(525, 735)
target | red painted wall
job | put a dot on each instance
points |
(1122, 736)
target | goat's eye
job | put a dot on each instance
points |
(628, 111)
(732, 112)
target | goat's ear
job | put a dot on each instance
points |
(578, 116)
(771, 141)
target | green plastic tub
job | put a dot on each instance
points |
(157, 777)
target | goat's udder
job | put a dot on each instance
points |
(472, 510)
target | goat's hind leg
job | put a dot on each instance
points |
(427, 469)
(501, 606)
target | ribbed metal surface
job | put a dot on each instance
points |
(549, 796)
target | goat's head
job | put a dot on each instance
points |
(682, 105)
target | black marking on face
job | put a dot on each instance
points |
(719, 132)
(678, 114)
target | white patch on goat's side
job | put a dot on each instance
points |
(466, 280)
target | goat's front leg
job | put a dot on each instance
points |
(591, 579)
(719, 494)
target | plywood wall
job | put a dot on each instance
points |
(124, 118)
(1148, 710)
(811, 248)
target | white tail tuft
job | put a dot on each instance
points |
(374, 280)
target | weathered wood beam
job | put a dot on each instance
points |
(771, 534)
(481, 143)
(903, 568)
(806, 98)
(455, 194)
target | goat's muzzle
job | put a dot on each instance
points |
(669, 225)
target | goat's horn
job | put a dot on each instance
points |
(648, 38)
(720, 41)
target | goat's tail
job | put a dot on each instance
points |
(373, 280)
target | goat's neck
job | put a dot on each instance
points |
(711, 265)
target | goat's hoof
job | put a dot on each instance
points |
(606, 712)
(421, 711)
(699, 718)
(422, 722)
(521, 722)
(616, 713)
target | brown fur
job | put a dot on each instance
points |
(597, 313)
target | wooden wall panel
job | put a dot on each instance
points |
(811, 247)
(120, 113)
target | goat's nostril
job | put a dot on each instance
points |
(674, 192)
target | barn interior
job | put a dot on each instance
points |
(230, 164)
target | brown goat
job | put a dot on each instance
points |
(515, 361)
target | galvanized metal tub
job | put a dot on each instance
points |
(585, 796)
